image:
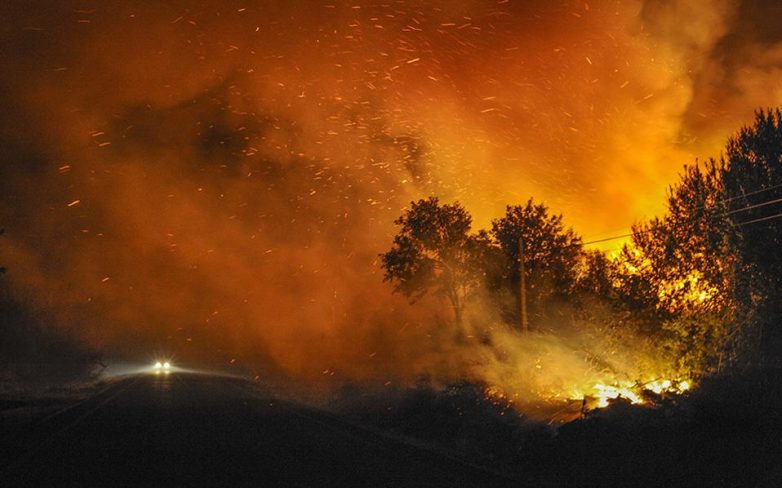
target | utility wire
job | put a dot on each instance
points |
(726, 200)
(763, 204)
(606, 239)
(762, 190)
(724, 214)
(761, 219)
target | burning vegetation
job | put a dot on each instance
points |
(647, 322)
(358, 203)
(224, 192)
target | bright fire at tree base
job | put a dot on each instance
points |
(601, 395)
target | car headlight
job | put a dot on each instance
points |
(162, 367)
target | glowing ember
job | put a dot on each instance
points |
(610, 392)
(635, 393)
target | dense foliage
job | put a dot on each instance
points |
(434, 250)
(703, 281)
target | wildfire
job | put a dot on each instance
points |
(693, 289)
(636, 392)
(560, 406)
(604, 393)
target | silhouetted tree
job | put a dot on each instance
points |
(434, 251)
(678, 273)
(551, 252)
(709, 268)
(683, 262)
(597, 274)
(753, 185)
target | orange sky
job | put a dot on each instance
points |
(222, 175)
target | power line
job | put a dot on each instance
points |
(756, 192)
(763, 204)
(606, 239)
(743, 195)
(701, 207)
(724, 214)
(761, 219)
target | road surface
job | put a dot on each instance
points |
(197, 430)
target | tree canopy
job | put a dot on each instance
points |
(702, 280)
(435, 251)
(551, 252)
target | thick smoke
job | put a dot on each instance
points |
(215, 180)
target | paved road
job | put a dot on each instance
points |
(198, 430)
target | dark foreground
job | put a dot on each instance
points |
(197, 430)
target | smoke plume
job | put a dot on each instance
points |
(215, 180)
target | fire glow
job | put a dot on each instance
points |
(238, 194)
(635, 393)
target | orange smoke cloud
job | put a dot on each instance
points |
(217, 178)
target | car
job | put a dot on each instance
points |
(162, 367)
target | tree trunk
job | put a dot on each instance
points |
(522, 289)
